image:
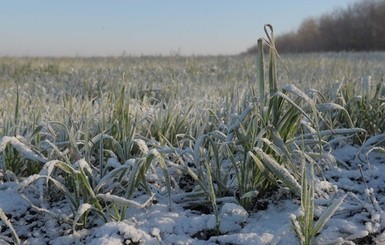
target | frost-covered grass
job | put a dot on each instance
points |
(96, 143)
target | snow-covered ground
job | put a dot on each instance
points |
(359, 220)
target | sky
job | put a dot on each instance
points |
(147, 27)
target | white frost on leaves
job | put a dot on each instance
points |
(142, 145)
(156, 224)
(21, 148)
(113, 163)
(123, 201)
(82, 164)
(81, 210)
(130, 162)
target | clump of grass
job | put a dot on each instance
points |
(304, 225)
(19, 157)
(262, 142)
(364, 100)
(89, 195)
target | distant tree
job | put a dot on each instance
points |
(359, 27)
(308, 35)
(287, 42)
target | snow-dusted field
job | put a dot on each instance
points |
(360, 219)
(158, 150)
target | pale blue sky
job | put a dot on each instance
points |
(146, 27)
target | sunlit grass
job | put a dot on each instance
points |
(99, 132)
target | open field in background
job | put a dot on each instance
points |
(108, 134)
(70, 90)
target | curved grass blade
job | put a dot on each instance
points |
(285, 97)
(83, 208)
(6, 221)
(117, 200)
(326, 107)
(21, 148)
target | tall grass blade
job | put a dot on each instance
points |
(6, 221)
(261, 73)
(17, 107)
(327, 214)
(273, 87)
(285, 97)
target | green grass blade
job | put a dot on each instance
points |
(268, 174)
(17, 106)
(281, 172)
(83, 208)
(285, 97)
(297, 228)
(261, 73)
(327, 214)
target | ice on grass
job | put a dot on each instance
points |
(113, 162)
(24, 150)
(81, 210)
(142, 145)
(82, 164)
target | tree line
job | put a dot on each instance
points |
(359, 27)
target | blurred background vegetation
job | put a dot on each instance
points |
(359, 27)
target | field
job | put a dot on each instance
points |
(193, 150)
